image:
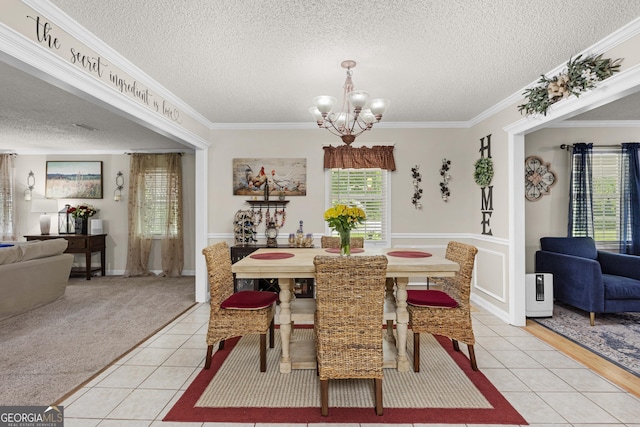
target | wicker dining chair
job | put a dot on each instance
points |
(348, 321)
(235, 314)
(333, 242)
(445, 312)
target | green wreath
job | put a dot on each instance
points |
(483, 173)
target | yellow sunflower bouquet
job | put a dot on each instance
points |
(343, 219)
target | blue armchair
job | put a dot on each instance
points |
(592, 280)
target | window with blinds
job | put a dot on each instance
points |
(367, 189)
(606, 169)
(159, 189)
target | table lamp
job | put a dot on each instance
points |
(44, 206)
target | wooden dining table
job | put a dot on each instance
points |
(288, 264)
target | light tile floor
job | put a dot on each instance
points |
(548, 388)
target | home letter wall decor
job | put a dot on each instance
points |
(483, 176)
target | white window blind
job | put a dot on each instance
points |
(606, 169)
(159, 188)
(367, 189)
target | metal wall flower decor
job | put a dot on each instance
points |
(444, 185)
(538, 178)
(417, 191)
(581, 75)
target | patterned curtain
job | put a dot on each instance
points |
(581, 200)
(155, 213)
(630, 199)
(346, 157)
(7, 206)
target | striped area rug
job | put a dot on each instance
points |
(445, 391)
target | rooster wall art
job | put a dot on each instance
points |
(282, 175)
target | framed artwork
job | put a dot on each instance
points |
(284, 176)
(74, 180)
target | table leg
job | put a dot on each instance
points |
(402, 321)
(286, 285)
(88, 265)
(103, 262)
(389, 296)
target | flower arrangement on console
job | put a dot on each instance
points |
(343, 219)
(82, 211)
(580, 76)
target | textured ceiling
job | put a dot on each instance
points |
(36, 116)
(264, 61)
(255, 61)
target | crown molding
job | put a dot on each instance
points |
(65, 22)
(596, 124)
(313, 126)
(623, 34)
(83, 35)
(34, 59)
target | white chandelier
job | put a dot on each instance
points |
(356, 115)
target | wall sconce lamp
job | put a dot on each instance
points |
(31, 183)
(117, 193)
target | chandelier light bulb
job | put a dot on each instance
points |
(367, 116)
(317, 115)
(358, 98)
(341, 120)
(324, 104)
(378, 107)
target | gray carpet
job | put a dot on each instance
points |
(616, 337)
(47, 352)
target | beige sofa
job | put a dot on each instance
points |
(32, 274)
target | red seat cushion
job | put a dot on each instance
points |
(430, 298)
(249, 300)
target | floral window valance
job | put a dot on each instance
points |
(347, 157)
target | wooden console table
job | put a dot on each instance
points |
(81, 244)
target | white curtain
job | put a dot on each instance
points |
(7, 204)
(155, 213)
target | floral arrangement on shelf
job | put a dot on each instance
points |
(82, 211)
(580, 76)
(483, 173)
(344, 218)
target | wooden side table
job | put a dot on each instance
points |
(81, 244)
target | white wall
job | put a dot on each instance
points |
(431, 227)
(424, 147)
(114, 214)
